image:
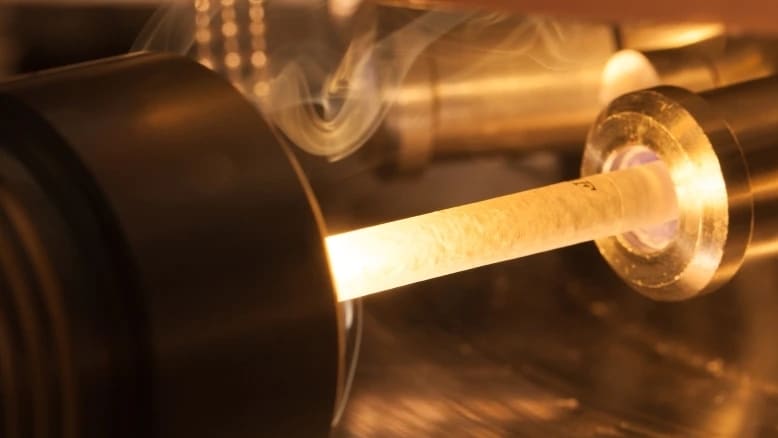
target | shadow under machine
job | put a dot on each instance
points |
(187, 231)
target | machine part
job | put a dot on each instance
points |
(153, 236)
(435, 85)
(719, 148)
(529, 90)
(498, 97)
(406, 251)
(697, 67)
(327, 92)
(639, 35)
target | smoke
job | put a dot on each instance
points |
(341, 115)
(327, 81)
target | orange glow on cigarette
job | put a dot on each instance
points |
(386, 256)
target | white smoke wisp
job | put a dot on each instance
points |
(329, 100)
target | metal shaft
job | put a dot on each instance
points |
(507, 90)
(751, 112)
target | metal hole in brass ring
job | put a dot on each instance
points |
(648, 241)
(677, 127)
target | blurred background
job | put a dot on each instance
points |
(36, 35)
(551, 345)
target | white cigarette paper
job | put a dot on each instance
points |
(382, 257)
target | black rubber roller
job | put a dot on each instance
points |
(162, 270)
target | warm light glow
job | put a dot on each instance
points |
(203, 32)
(257, 13)
(626, 71)
(232, 60)
(258, 59)
(202, 5)
(203, 36)
(261, 88)
(343, 8)
(230, 29)
(383, 257)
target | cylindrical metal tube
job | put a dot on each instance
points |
(722, 152)
(493, 98)
(751, 112)
(698, 67)
(524, 91)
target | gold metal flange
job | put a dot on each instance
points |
(710, 177)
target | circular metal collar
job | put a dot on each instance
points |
(711, 182)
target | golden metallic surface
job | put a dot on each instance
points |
(751, 111)
(518, 87)
(702, 66)
(691, 263)
(642, 35)
(496, 83)
(720, 147)
(531, 90)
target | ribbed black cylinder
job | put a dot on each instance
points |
(162, 271)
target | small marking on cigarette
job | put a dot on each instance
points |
(586, 185)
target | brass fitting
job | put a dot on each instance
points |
(720, 149)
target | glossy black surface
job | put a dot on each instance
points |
(221, 320)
